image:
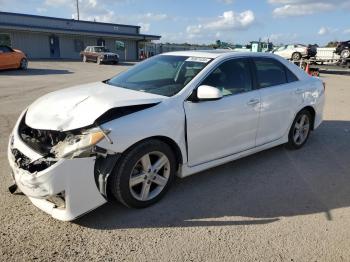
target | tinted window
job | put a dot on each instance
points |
(231, 77)
(269, 72)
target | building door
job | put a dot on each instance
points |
(101, 42)
(54, 43)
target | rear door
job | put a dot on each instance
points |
(281, 94)
(220, 128)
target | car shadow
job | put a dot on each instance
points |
(34, 72)
(336, 72)
(259, 189)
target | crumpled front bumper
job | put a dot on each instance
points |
(72, 178)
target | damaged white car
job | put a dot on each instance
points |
(174, 114)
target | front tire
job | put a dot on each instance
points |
(345, 54)
(144, 174)
(296, 56)
(300, 130)
(23, 64)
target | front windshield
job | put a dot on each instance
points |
(163, 75)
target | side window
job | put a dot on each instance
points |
(5, 49)
(269, 72)
(231, 77)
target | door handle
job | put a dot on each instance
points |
(299, 91)
(253, 102)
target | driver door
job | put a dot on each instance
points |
(216, 129)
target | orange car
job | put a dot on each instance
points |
(12, 58)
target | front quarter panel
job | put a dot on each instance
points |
(166, 119)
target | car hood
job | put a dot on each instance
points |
(80, 106)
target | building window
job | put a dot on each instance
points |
(78, 45)
(5, 39)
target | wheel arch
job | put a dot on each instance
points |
(167, 140)
(296, 52)
(312, 111)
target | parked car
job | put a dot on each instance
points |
(173, 114)
(12, 58)
(99, 54)
(295, 52)
(343, 49)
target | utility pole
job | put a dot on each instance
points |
(77, 1)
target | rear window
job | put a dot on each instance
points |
(269, 72)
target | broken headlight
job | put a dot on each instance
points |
(81, 145)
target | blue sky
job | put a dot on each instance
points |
(204, 21)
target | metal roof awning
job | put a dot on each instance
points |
(47, 29)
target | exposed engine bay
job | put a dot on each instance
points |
(41, 141)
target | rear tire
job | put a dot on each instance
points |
(300, 130)
(143, 174)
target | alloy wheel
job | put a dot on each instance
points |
(301, 129)
(149, 176)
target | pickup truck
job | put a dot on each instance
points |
(99, 54)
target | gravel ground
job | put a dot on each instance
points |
(277, 205)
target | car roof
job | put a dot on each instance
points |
(200, 53)
(216, 53)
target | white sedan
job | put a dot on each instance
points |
(174, 114)
(293, 52)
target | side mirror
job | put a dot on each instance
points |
(208, 93)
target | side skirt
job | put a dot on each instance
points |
(187, 171)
